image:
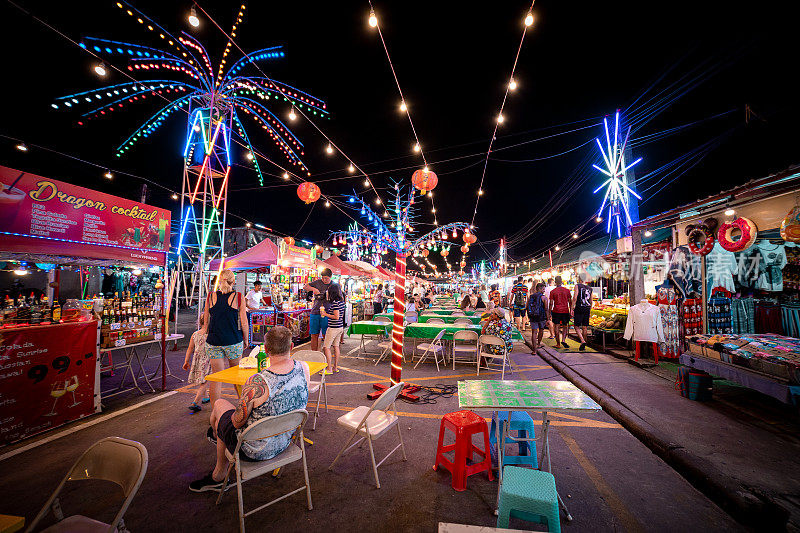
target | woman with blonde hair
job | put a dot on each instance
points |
(225, 322)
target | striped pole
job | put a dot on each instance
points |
(399, 316)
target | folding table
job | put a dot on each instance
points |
(132, 354)
(508, 395)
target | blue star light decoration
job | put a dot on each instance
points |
(617, 189)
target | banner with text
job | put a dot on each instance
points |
(47, 377)
(40, 215)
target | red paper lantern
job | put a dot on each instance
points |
(462, 264)
(424, 253)
(308, 192)
(469, 238)
(424, 180)
(289, 240)
(465, 249)
(444, 252)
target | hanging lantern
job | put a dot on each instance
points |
(308, 192)
(469, 238)
(424, 180)
(289, 240)
(444, 235)
(465, 249)
(444, 252)
(462, 264)
(455, 234)
(424, 253)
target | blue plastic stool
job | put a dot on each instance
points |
(522, 423)
(529, 495)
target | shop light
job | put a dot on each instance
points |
(260, 226)
(136, 271)
(648, 233)
(20, 272)
(729, 212)
(248, 225)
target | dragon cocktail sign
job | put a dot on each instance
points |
(41, 215)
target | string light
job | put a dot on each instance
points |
(416, 147)
(22, 147)
(648, 233)
(329, 149)
(351, 169)
(108, 174)
(249, 156)
(500, 118)
(529, 19)
(193, 20)
(512, 85)
(557, 248)
(480, 192)
(292, 115)
(100, 69)
(373, 20)
(403, 106)
(286, 175)
(574, 235)
(598, 219)
(366, 183)
(174, 196)
(327, 203)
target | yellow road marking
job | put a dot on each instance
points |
(627, 520)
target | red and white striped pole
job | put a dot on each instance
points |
(399, 316)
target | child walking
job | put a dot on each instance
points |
(201, 365)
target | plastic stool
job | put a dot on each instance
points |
(464, 424)
(521, 422)
(530, 495)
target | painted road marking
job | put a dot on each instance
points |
(627, 520)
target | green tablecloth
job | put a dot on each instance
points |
(440, 311)
(429, 331)
(449, 319)
(369, 327)
(514, 395)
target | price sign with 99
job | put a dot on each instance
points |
(59, 364)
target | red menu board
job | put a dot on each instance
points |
(47, 377)
(41, 215)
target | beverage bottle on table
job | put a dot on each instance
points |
(262, 359)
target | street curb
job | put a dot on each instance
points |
(744, 504)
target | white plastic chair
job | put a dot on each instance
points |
(458, 312)
(410, 318)
(492, 340)
(371, 423)
(246, 470)
(435, 347)
(320, 387)
(462, 322)
(115, 459)
(435, 321)
(471, 348)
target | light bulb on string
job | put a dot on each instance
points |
(108, 175)
(529, 19)
(22, 147)
(366, 183)
(598, 219)
(574, 235)
(403, 106)
(329, 149)
(416, 147)
(292, 115)
(193, 20)
(174, 196)
(500, 118)
(286, 175)
(250, 156)
(512, 85)
(100, 69)
(351, 169)
(373, 20)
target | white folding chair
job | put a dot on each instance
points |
(115, 459)
(435, 321)
(469, 337)
(462, 322)
(246, 470)
(410, 318)
(492, 340)
(320, 387)
(435, 347)
(458, 312)
(371, 423)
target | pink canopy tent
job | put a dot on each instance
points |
(259, 256)
(336, 264)
(385, 273)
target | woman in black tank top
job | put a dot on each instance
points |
(227, 328)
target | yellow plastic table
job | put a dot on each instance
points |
(237, 376)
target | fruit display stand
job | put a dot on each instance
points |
(608, 322)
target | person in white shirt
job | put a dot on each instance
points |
(255, 298)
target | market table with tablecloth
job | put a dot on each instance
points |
(416, 330)
(443, 311)
(449, 319)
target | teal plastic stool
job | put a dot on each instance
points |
(529, 495)
(522, 423)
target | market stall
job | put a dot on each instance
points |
(730, 272)
(53, 337)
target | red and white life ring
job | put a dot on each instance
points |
(745, 241)
(700, 235)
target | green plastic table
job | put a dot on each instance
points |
(449, 319)
(509, 395)
(369, 327)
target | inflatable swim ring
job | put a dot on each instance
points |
(790, 227)
(745, 241)
(699, 234)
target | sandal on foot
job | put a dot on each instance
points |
(195, 408)
(205, 400)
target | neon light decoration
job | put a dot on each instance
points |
(376, 239)
(617, 189)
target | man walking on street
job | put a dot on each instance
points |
(549, 287)
(560, 304)
(582, 306)
(519, 299)
(537, 314)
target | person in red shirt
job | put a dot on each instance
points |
(560, 303)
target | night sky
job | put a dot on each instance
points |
(580, 61)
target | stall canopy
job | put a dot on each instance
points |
(261, 255)
(341, 267)
(387, 275)
(365, 268)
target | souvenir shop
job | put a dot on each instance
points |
(81, 276)
(731, 290)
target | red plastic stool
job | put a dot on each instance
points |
(464, 424)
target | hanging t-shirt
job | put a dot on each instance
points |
(721, 267)
(686, 270)
(773, 259)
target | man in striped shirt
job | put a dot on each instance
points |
(333, 308)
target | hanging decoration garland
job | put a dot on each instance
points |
(748, 230)
(701, 236)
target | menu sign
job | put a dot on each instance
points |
(47, 377)
(42, 215)
(295, 256)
